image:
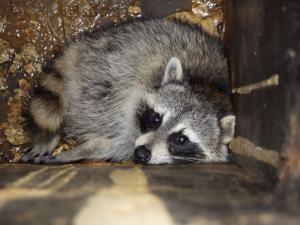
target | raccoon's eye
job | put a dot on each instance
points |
(180, 145)
(148, 119)
(181, 140)
(156, 119)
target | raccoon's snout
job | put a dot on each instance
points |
(142, 154)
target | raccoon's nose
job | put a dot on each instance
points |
(142, 154)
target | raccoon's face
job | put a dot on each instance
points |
(176, 126)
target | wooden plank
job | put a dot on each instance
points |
(100, 193)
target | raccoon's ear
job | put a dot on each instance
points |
(227, 124)
(173, 71)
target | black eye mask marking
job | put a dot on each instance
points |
(147, 118)
(180, 145)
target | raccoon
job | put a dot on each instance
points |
(152, 92)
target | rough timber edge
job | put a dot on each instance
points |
(263, 163)
(246, 148)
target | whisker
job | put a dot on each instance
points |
(191, 159)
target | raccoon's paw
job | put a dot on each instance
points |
(48, 160)
(40, 150)
(45, 159)
(35, 154)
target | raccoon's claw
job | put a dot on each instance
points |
(33, 157)
(48, 159)
(26, 150)
(40, 159)
(29, 155)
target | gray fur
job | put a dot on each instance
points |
(107, 74)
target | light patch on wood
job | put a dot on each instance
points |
(247, 89)
(128, 201)
(18, 190)
(10, 194)
(27, 178)
(51, 180)
(205, 221)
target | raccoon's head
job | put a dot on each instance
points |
(180, 123)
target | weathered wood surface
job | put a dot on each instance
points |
(262, 40)
(129, 194)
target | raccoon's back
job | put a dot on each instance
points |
(139, 51)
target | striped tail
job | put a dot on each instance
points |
(46, 112)
(47, 104)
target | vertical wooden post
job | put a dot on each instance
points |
(263, 38)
